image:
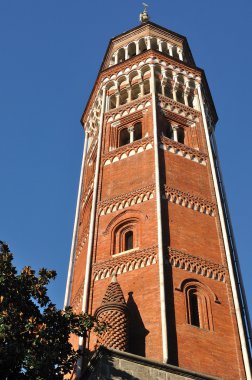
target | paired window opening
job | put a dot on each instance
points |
(175, 133)
(128, 135)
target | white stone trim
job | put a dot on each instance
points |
(245, 354)
(159, 220)
(74, 238)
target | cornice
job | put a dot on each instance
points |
(131, 198)
(128, 150)
(189, 200)
(183, 151)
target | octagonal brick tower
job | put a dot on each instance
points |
(151, 209)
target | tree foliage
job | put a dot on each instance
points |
(34, 334)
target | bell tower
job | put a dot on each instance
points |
(153, 251)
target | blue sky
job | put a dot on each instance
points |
(50, 55)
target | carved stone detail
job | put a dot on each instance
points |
(128, 150)
(189, 200)
(196, 265)
(126, 200)
(178, 108)
(125, 263)
(183, 150)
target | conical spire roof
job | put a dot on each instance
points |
(113, 294)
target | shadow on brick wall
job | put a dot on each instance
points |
(137, 331)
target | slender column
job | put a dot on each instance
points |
(117, 100)
(174, 87)
(180, 53)
(129, 94)
(116, 57)
(137, 47)
(148, 43)
(131, 132)
(245, 353)
(141, 89)
(186, 91)
(169, 46)
(163, 83)
(159, 42)
(92, 223)
(159, 221)
(175, 133)
(126, 52)
(76, 220)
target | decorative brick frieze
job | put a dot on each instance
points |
(189, 200)
(178, 108)
(195, 264)
(77, 298)
(86, 194)
(92, 147)
(183, 150)
(82, 241)
(126, 200)
(129, 108)
(125, 262)
(128, 150)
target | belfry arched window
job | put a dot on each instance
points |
(181, 135)
(130, 134)
(137, 131)
(124, 137)
(167, 131)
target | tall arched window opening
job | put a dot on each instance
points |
(198, 304)
(194, 309)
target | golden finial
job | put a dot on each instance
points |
(144, 17)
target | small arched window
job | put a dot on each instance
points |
(128, 240)
(168, 131)
(180, 96)
(168, 90)
(190, 100)
(132, 50)
(135, 92)
(181, 135)
(121, 55)
(112, 102)
(124, 137)
(137, 131)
